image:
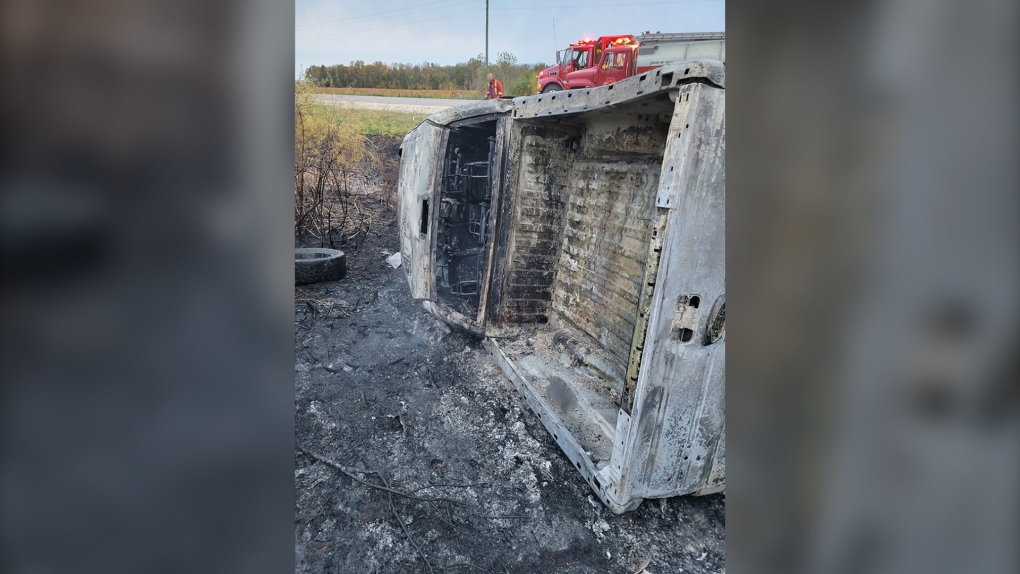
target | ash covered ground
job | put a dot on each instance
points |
(387, 396)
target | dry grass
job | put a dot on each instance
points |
(437, 94)
(384, 122)
(341, 176)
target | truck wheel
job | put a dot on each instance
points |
(551, 88)
(313, 265)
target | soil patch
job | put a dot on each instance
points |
(395, 399)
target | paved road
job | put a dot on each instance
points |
(422, 105)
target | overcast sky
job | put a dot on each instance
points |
(450, 31)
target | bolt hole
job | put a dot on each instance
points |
(682, 334)
(423, 225)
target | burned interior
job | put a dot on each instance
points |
(582, 234)
(583, 226)
(464, 228)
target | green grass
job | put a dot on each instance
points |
(383, 122)
(439, 94)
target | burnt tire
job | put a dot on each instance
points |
(312, 265)
(551, 88)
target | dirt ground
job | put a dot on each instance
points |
(388, 397)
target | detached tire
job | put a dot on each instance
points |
(312, 265)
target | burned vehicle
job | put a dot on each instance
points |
(581, 233)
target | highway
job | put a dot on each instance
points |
(417, 105)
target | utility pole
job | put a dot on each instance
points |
(486, 33)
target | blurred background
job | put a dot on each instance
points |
(147, 402)
(872, 233)
(145, 195)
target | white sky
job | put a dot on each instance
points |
(450, 31)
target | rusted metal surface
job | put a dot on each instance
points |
(591, 254)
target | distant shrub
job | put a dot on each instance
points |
(518, 79)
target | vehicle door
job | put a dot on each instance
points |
(615, 65)
(420, 166)
(579, 69)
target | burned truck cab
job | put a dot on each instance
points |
(450, 168)
(581, 233)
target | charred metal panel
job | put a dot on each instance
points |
(608, 223)
(470, 110)
(420, 164)
(625, 92)
(541, 170)
(649, 276)
(496, 198)
(606, 232)
(676, 444)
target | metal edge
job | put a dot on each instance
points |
(561, 435)
(453, 318)
(647, 84)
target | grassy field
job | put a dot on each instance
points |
(439, 94)
(340, 122)
(383, 122)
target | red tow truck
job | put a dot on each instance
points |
(589, 63)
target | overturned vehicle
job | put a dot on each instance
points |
(581, 233)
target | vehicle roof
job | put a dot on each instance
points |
(469, 110)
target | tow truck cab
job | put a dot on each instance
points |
(583, 55)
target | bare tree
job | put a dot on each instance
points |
(328, 149)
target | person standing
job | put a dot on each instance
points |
(495, 89)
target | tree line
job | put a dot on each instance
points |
(518, 79)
